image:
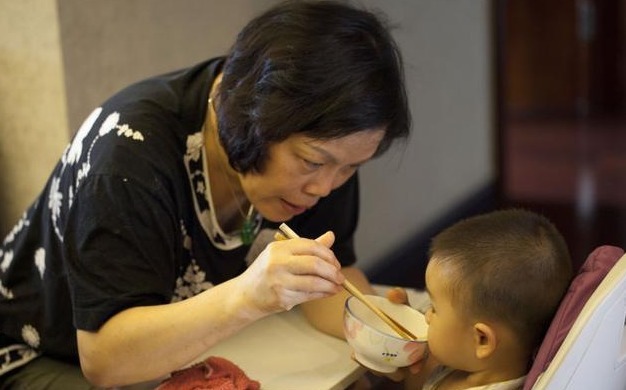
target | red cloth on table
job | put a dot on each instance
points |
(215, 373)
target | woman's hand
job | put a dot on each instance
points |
(289, 272)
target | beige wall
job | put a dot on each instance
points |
(109, 44)
(447, 53)
(33, 121)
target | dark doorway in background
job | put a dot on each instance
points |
(561, 115)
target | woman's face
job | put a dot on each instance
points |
(301, 170)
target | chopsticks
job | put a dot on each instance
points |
(393, 324)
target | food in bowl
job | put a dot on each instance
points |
(376, 345)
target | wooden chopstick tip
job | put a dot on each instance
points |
(287, 231)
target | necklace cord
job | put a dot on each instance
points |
(247, 228)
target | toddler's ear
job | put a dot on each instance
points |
(485, 340)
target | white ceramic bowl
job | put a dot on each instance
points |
(375, 344)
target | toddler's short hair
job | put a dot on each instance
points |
(510, 266)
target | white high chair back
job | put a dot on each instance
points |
(585, 346)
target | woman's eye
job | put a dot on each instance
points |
(311, 164)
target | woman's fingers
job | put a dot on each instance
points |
(305, 246)
(289, 272)
(306, 288)
(398, 295)
(327, 239)
(415, 368)
(295, 250)
(313, 265)
(307, 283)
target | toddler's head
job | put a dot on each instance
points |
(495, 282)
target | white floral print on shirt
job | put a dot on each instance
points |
(30, 336)
(40, 261)
(74, 153)
(193, 281)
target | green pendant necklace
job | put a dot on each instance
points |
(246, 232)
(247, 228)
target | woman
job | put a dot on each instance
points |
(152, 240)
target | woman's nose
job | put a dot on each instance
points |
(428, 314)
(321, 185)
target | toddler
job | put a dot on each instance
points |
(495, 281)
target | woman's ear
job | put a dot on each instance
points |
(485, 340)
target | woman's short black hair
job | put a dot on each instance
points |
(324, 69)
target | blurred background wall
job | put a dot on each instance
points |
(61, 58)
(33, 114)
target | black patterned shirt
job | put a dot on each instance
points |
(125, 220)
